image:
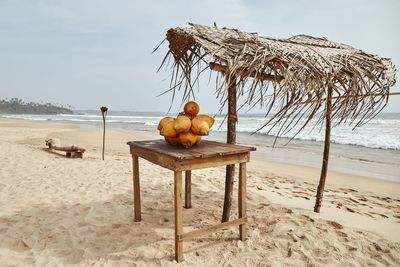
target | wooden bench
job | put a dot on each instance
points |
(204, 155)
(70, 151)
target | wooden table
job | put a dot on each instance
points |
(204, 155)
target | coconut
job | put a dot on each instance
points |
(175, 141)
(164, 121)
(200, 126)
(188, 139)
(182, 124)
(168, 129)
(191, 108)
(198, 139)
(208, 119)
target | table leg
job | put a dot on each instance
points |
(242, 200)
(136, 188)
(178, 215)
(188, 189)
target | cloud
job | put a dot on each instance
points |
(97, 52)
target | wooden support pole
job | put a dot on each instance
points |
(178, 216)
(246, 73)
(136, 188)
(188, 189)
(231, 139)
(324, 169)
(242, 201)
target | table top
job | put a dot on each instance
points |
(205, 149)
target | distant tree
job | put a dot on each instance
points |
(17, 106)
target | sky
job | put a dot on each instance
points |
(92, 53)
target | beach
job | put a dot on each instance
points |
(58, 211)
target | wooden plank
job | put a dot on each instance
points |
(77, 154)
(203, 150)
(211, 149)
(136, 188)
(68, 148)
(156, 158)
(193, 164)
(174, 164)
(178, 215)
(246, 73)
(68, 154)
(211, 229)
(188, 189)
(242, 200)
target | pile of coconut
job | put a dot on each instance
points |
(187, 128)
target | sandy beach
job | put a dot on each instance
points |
(56, 211)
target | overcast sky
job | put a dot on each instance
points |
(90, 53)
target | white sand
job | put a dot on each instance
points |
(60, 211)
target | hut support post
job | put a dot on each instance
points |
(324, 169)
(231, 139)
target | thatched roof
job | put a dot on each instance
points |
(287, 76)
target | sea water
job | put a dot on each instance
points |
(382, 132)
(372, 150)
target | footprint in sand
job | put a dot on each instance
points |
(300, 196)
(351, 248)
(350, 210)
(369, 215)
(348, 190)
(341, 234)
(273, 191)
(307, 218)
(335, 225)
(353, 200)
(362, 199)
(382, 215)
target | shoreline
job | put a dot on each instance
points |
(137, 120)
(64, 211)
(382, 164)
(281, 162)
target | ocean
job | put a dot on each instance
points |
(372, 150)
(382, 132)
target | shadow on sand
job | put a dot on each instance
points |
(81, 231)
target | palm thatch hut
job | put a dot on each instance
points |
(295, 80)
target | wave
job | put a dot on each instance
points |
(380, 133)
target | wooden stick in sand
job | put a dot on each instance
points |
(324, 169)
(104, 114)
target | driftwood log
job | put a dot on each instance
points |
(70, 151)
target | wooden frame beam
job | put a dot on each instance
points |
(212, 229)
(246, 73)
(341, 97)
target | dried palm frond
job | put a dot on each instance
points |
(289, 77)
